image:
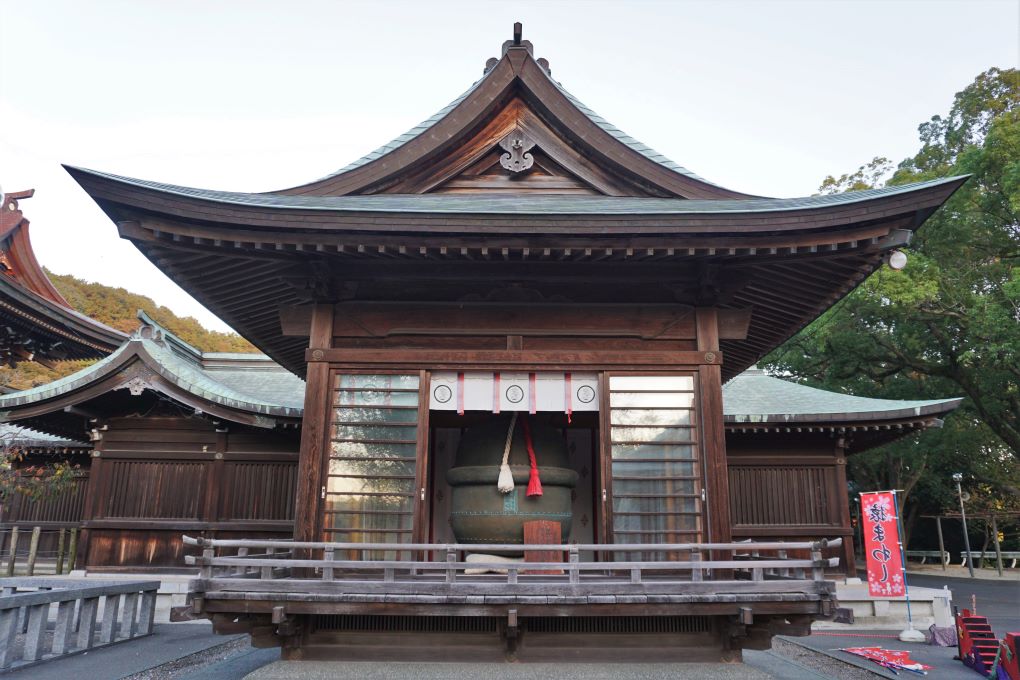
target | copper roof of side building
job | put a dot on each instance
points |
(757, 402)
(249, 389)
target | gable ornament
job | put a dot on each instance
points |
(517, 145)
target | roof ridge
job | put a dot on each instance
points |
(150, 329)
(525, 46)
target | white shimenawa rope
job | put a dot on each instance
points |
(505, 483)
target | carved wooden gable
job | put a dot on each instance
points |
(515, 151)
(516, 130)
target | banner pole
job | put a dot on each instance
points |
(908, 635)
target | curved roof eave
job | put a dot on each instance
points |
(214, 398)
(755, 398)
(68, 323)
(198, 204)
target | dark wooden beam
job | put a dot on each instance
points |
(315, 426)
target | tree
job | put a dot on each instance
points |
(36, 480)
(949, 323)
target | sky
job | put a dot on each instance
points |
(763, 97)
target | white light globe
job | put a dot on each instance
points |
(897, 260)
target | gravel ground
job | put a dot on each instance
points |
(822, 664)
(189, 664)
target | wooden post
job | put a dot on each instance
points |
(72, 549)
(314, 429)
(92, 508)
(712, 432)
(942, 544)
(33, 549)
(998, 548)
(60, 550)
(214, 480)
(842, 499)
(12, 557)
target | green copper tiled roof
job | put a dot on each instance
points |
(513, 205)
(754, 397)
(15, 436)
(255, 383)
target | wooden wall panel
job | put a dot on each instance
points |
(64, 508)
(259, 491)
(770, 495)
(162, 477)
(147, 489)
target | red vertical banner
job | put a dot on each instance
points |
(882, 546)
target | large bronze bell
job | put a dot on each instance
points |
(480, 513)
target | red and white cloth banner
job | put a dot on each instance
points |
(893, 659)
(514, 391)
(882, 544)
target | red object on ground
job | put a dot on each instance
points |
(882, 544)
(977, 643)
(1009, 664)
(534, 482)
(893, 659)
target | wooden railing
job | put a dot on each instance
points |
(679, 568)
(126, 609)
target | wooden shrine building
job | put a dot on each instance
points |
(36, 322)
(179, 442)
(518, 278)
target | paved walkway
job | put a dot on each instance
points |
(336, 670)
(169, 642)
(944, 667)
(997, 599)
(956, 571)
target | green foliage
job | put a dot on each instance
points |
(117, 308)
(36, 481)
(949, 323)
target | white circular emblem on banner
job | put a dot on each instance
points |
(514, 394)
(585, 394)
(442, 394)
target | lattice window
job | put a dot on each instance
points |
(370, 489)
(655, 470)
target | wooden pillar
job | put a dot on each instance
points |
(842, 497)
(93, 501)
(214, 491)
(712, 433)
(314, 428)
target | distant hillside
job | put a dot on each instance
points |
(117, 308)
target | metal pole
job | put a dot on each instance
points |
(909, 635)
(942, 544)
(966, 535)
